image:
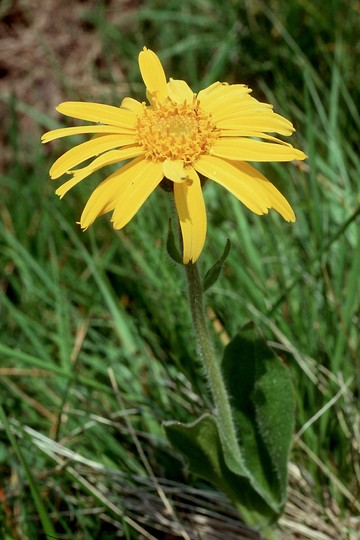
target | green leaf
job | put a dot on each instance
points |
(213, 273)
(263, 405)
(171, 246)
(201, 444)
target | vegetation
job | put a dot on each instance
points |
(96, 340)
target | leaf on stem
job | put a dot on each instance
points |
(171, 246)
(262, 403)
(213, 273)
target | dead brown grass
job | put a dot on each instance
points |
(50, 53)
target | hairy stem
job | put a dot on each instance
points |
(209, 360)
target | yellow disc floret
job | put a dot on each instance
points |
(170, 130)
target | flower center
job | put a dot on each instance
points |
(169, 130)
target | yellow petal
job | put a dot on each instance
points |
(191, 210)
(179, 91)
(109, 158)
(153, 74)
(145, 179)
(88, 149)
(247, 184)
(98, 112)
(231, 133)
(220, 94)
(268, 121)
(174, 170)
(108, 191)
(235, 104)
(243, 149)
(132, 105)
(233, 108)
(80, 130)
(278, 201)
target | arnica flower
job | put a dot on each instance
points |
(180, 136)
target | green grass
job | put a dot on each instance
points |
(96, 341)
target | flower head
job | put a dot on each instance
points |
(179, 135)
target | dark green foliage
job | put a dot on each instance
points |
(262, 403)
(212, 275)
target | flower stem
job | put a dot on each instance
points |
(207, 355)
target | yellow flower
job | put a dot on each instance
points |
(179, 136)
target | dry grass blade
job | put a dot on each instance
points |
(203, 514)
(162, 496)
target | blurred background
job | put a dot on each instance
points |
(96, 343)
